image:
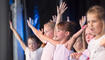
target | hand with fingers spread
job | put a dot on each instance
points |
(29, 23)
(62, 8)
(82, 21)
(31, 20)
(38, 33)
(54, 18)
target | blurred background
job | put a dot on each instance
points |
(18, 11)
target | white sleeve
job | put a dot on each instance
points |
(26, 51)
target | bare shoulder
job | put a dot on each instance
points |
(102, 43)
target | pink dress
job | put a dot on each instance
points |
(48, 52)
(61, 53)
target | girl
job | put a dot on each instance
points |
(49, 29)
(96, 22)
(64, 32)
(85, 38)
(80, 43)
(49, 32)
(32, 51)
(84, 55)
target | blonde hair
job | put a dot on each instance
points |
(84, 40)
(50, 24)
(100, 13)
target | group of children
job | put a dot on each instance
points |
(62, 41)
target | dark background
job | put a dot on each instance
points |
(46, 8)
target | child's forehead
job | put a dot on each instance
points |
(47, 26)
(60, 29)
(31, 39)
(48, 29)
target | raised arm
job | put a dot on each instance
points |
(60, 10)
(71, 41)
(82, 22)
(35, 31)
(17, 36)
(40, 35)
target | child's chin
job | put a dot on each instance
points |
(32, 49)
(57, 39)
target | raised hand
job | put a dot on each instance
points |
(17, 36)
(29, 22)
(61, 9)
(54, 18)
(82, 21)
(11, 26)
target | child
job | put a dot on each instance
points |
(80, 43)
(85, 54)
(64, 32)
(96, 23)
(49, 29)
(32, 52)
(49, 32)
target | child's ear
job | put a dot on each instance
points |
(67, 33)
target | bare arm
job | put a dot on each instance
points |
(78, 46)
(102, 43)
(41, 36)
(71, 41)
(82, 22)
(60, 10)
(18, 36)
(35, 31)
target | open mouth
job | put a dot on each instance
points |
(88, 40)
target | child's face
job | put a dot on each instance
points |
(94, 23)
(32, 45)
(59, 34)
(89, 35)
(48, 32)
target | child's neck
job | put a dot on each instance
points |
(98, 36)
(63, 41)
